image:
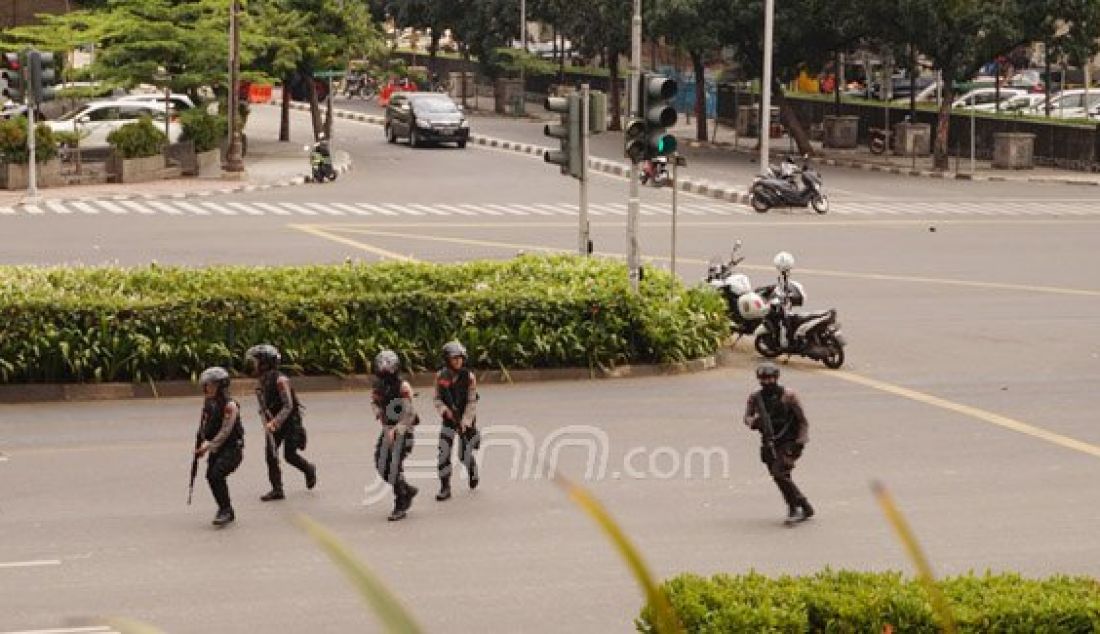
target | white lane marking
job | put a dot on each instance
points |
(458, 210)
(568, 209)
(34, 210)
(144, 207)
(403, 209)
(355, 211)
(30, 564)
(508, 210)
(532, 209)
(56, 206)
(481, 210)
(430, 209)
(84, 207)
(7, 211)
(192, 208)
(113, 207)
(376, 209)
(298, 209)
(275, 209)
(327, 210)
(219, 208)
(614, 210)
(247, 208)
(70, 630)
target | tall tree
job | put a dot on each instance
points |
(602, 27)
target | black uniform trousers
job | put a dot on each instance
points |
(468, 442)
(780, 467)
(294, 435)
(218, 467)
(389, 459)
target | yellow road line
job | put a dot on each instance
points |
(966, 410)
(352, 243)
(881, 277)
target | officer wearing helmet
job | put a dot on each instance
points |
(392, 399)
(456, 401)
(281, 416)
(221, 437)
(790, 432)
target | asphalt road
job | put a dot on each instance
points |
(974, 350)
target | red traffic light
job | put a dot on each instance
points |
(11, 61)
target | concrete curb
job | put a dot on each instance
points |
(702, 188)
(70, 392)
(870, 166)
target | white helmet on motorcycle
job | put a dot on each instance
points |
(739, 284)
(783, 261)
(752, 306)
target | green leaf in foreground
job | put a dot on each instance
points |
(394, 616)
(916, 555)
(665, 618)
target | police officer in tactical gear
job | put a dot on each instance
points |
(281, 416)
(221, 438)
(456, 401)
(392, 400)
(790, 432)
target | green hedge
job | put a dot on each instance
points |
(140, 139)
(205, 129)
(857, 602)
(156, 323)
(13, 142)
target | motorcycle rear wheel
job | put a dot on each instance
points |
(835, 358)
(763, 345)
(877, 146)
(759, 205)
(820, 204)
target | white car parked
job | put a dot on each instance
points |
(179, 102)
(986, 99)
(98, 119)
(1070, 104)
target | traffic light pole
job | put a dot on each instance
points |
(32, 172)
(634, 202)
(586, 112)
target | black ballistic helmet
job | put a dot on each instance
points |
(215, 375)
(264, 355)
(767, 369)
(454, 349)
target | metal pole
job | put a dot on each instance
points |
(167, 110)
(633, 202)
(523, 42)
(233, 160)
(32, 173)
(766, 85)
(972, 135)
(675, 186)
(583, 239)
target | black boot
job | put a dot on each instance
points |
(410, 493)
(273, 494)
(398, 509)
(444, 490)
(793, 514)
(474, 480)
(224, 517)
(311, 476)
(807, 510)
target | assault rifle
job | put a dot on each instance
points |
(195, 457)
(265, 416)
(767, 432)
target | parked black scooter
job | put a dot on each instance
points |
(768, 192)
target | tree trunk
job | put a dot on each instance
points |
(700, 95)
(284, 117)
(433, 50)
(616, 95)
(1046, 82)
(940, 158)
(314, 105)
(561, 61)
(838, 76)
(789, 116)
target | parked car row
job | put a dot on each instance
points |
(1068, 104)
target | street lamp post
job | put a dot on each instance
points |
(766, 85)
(233, 160)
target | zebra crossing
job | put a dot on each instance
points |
(319, 210)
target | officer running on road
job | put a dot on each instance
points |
(282, 419)
(392, 400)
(456, 401)
(221, 437)
(789, 434)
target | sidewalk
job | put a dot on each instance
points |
(268, 164)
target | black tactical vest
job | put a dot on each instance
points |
(454, 390)
(273, 402)
(388, 392)
(214, 411)
(781, 416)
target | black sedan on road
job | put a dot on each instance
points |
(425, 117)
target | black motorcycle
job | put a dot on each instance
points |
(771, 190)
(813, 335)
(362, 86)
(320, 162)
(746, 306)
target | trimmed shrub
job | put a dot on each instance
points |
(138, 140)
(204, 129)
(856, 602)
(111, 324)
(13, 142)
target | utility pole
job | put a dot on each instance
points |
(634, 202)
(233, 160)
(584, 239)
(766, 86)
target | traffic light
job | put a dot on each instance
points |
(570, 155)
(42, 73)
(11, 77)
(658, 114)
